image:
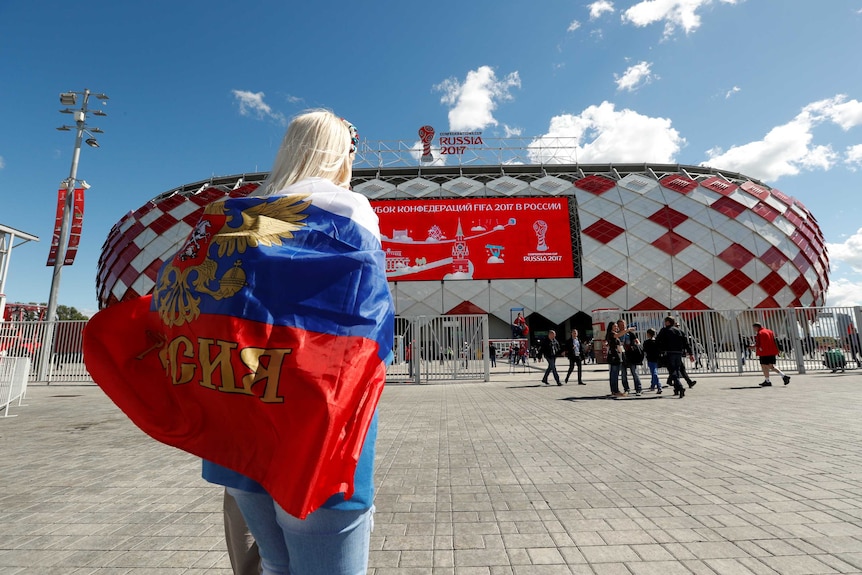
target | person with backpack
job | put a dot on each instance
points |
(633, 355)
(674, 345)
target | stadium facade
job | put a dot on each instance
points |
(559, 241)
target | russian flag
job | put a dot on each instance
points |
(264, 345)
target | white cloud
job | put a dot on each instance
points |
(252, 104)
(573, 26)
(2, 163)
(731, 92)
(787, 149)
(475, 100)
(511, 132)
(601, 134)
(675, 14)
(853, 158)
(848, 252)
(635, 76)
(846, 114)
(844, 292)
(600, 7)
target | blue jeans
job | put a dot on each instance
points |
(327, 542)
(655, 382)
(614, 375)
(633, 370)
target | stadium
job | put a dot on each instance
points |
(571, 245)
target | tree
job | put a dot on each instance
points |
(69, 313)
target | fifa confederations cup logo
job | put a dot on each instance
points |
(541, 228)
(426, 134)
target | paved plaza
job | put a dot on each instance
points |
(506, 477)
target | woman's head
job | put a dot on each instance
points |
(318, 144)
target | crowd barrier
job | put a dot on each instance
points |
(13, 381)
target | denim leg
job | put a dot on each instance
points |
(614, 374)
(624, 376)
(259, 511)
(653, 372)
(635, 377)
(329, 541)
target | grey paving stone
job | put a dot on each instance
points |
(496, 478)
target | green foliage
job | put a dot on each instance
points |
(66, 312)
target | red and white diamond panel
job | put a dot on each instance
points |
(681, 244)
(143, 240)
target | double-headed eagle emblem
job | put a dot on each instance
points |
(265, 223)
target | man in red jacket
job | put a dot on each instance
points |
(767, 350)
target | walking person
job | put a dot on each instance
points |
(574, 351)
(492, 354)
(767, 350)
(652, 354)
(632, 355)
(550, 348)
(615, 360)
(854, 344)
(673, 344)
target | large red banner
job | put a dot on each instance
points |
(75, 231)
(476, 238)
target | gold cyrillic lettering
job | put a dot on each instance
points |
(251, 357)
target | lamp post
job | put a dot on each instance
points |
(80, 115)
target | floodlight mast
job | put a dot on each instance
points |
(68, 99)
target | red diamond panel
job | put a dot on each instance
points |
(799, 286)
(728, 207)
(649, 304)
(735, 255)
(766, 211)
(772, 284)
(793, 217)
(594, 184)
(605, 284)
(671, 243)
(758, 192)
(801, 262)
(692, 303)
(603, 231)
(693, 282)
(678, 183)
(782, 196)
(719, 185)
(668, 217)
(735, 282)
(774, 258)
(768, 303)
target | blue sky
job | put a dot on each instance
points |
(769, 88)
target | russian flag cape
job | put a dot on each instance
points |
(264, 345)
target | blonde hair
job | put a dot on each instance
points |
(316, 145)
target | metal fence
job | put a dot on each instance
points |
(59, 360)
(455, 347)
(440, 348)
(808, 338)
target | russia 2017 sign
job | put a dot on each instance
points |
(476, 239)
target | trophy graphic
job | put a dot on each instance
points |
(541, 228)
(426, 134)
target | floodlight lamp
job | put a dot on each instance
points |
(99, 113)
(64, 128)
(68, 98)
(67, 111)
(92, 142)
(97, 130)
(84, 184)
(102, 96)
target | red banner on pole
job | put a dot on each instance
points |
(77, 223)
(478, 238)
